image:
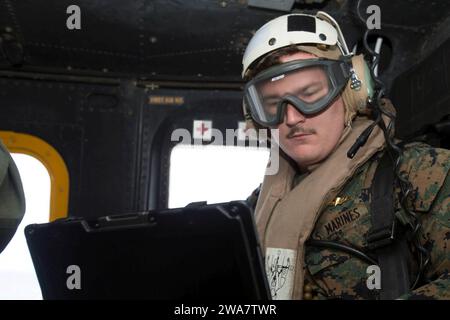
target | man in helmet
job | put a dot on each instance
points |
(330, 221)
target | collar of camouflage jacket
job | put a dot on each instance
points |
(285, 217)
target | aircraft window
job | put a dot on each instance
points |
(214, 173)
(17, 276)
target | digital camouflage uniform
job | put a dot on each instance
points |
(337, 275)
(333, 274)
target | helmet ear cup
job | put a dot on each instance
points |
(365, 90)
(358, 89)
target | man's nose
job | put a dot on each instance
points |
(293, 116)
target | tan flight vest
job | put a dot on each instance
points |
(285, 218)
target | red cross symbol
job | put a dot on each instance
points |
(202, 129)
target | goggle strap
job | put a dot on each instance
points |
(341, 72)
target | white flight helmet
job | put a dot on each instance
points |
(297, 29)
(313, 32)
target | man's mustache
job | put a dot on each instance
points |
(299, 129)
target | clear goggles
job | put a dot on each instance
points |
(308, 85)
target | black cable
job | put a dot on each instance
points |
(362, 139)
(311, 278)
(342, 247)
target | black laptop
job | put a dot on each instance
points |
(201, 251)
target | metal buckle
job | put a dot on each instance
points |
(355, 83)
(379, 238)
